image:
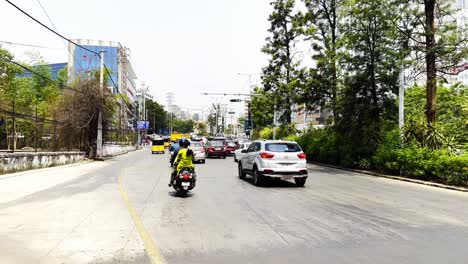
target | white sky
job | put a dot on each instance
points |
(185, 47)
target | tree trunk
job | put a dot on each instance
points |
(431, 70)
(334, 67)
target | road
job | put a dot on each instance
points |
(122, 211)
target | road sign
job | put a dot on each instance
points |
(235, 100)
(143, 125)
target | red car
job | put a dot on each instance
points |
(230, 147)
(215, 149)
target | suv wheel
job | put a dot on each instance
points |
(258, 178)
(300, 181)
(241, 171)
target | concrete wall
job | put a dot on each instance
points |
(12, 162)
(113, 150)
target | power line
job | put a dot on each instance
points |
(60, 35)
(40, 75)
(53, 25)
(20, 115)
(48, 28)
(27, 45)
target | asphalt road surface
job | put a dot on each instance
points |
(122, 211)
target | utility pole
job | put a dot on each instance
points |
(101, 103)
(274, 122)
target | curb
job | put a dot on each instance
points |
(375, 174)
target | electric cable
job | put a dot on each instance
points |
(40, 75)
(63, 37)
(27, 45)
(63, 41)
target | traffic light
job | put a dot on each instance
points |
(235, 100)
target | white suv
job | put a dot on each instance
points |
(274, 159)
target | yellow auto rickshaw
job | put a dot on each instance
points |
(158, 146)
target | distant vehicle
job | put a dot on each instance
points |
(237, 153)
(175, 136)
(219, 139)
(158, 146)
(230, 147)
(167, 142)
(198, 151)
(215, 149)
(275, 159)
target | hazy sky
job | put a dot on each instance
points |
(185, 47)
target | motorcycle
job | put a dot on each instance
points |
(184, 181)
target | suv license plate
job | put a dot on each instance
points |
(286, 177)
(185, 183)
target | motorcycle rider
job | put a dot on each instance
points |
(185, 158)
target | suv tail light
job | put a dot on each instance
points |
(266, 155)
(301, 155)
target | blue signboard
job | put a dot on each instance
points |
(143, 125)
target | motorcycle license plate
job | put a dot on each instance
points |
(185, 183)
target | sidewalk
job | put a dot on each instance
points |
(16, 185)
(399, 178)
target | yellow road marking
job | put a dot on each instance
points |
(152, 250)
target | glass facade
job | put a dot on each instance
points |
(54, 69)
(85, 61)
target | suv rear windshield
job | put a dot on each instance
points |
(282, 147)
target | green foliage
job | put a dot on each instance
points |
(281, 76)
(183, 126)
(157, 116)
(262, 109)
(452, 124)
(266, 133)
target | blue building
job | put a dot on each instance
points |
(82, 61)
(55, 68)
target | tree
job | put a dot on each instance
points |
(157, 116)
(439, 45)
(371, 77)
(183, 126)
(11, 94)
(262, 109)
(279, 75)
(322, 23)
(78, 112)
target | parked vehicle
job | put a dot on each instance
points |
(198, 151)
(158, 146)
(274, 159)
(230, 147)
(237, 153)
(215, 149)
